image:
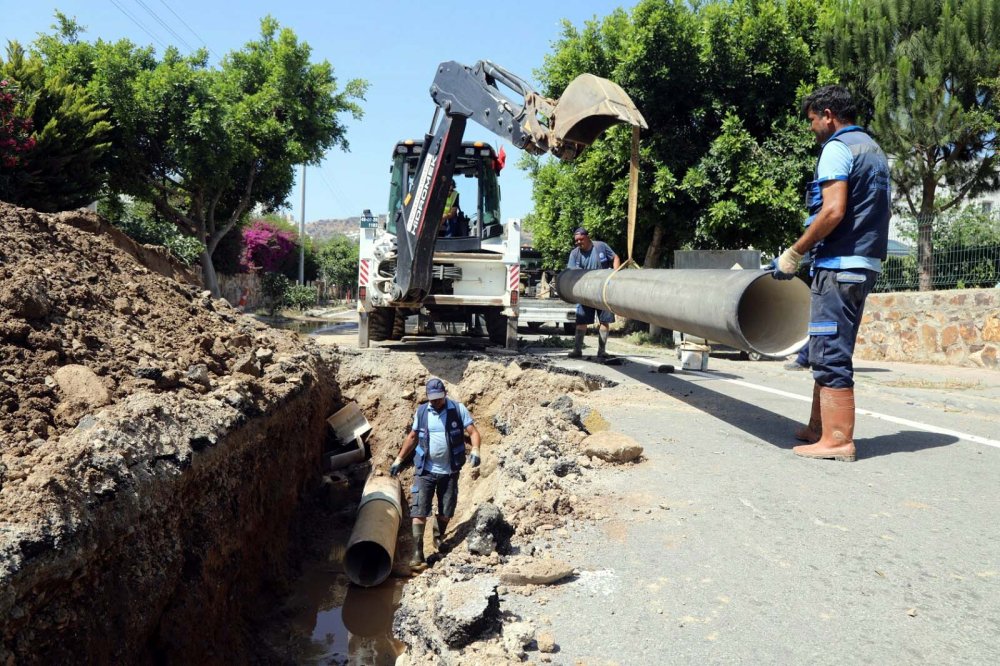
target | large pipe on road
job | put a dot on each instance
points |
(372, 546)
(744, 309)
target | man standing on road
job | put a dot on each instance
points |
(849, 199)
(591, 255)
(438, 435)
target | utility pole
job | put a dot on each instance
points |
(302, 231)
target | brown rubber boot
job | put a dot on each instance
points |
(814, 429)
(837, 415)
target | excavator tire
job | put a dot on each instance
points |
(381, 324)
(496, 327)
(398, 326)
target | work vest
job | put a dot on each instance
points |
(864, 230)
(454, 434)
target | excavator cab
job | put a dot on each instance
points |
(475, 175)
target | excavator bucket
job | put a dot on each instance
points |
(587, 107)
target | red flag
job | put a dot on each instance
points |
(500, 160)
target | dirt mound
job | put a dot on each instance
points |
(74, 291)
(150, 438)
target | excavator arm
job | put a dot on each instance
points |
(539, 125)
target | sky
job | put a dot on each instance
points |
(394, 45)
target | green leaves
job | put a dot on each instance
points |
(206, 145)
(725, 158)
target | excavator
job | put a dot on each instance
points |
(406, 266)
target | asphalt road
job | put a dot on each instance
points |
(722, 547)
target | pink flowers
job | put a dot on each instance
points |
(265, 247)
(15, 131)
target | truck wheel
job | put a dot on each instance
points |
(534, 325)
(569, 328)
(398, 326)
(380, 324)
(496, 327)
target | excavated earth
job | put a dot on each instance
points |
(161, 467)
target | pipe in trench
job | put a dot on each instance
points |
(745, 309)
(372, 546)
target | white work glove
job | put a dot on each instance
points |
(785, 266)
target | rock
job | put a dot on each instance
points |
(612, 447)
(198, 374)
(78, 383)
(467, 610)
(148, 372)
(248, 365)
(517, 636)
(546, 643)
(489, 531)
(536, 572)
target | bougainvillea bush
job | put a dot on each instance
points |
(15, 130)
(265, 246)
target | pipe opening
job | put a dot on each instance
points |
(774, 316)
(367, 563)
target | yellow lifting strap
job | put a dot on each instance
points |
(633, 203)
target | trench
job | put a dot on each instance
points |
(322, 618)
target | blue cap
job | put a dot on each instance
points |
(580, 231)
(435, 388)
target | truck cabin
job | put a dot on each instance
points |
(476, 183)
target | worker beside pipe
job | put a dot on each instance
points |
(849, 198)
(591, 255)
(438, 433)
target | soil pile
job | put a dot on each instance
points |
(121, 380)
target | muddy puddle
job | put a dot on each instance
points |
(331, 621)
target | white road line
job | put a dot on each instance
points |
(876, 415)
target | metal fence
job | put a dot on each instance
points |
(965, 252)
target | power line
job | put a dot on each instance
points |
(336, 194)
(190, 29)
(164, 25)
(136, 21)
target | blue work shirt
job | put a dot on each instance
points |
(600, 256)
(439, 454)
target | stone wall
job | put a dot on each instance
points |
(959, 327)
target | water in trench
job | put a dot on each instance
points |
(325, 619)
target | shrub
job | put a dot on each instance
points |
(300, 296)
(274, 288)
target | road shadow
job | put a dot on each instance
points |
(908, 441)
(765, 425)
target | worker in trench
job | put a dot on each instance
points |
(591, 255)
(437, 436)
(848, 201)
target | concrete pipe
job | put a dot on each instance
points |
(372, 546)
(744, 309)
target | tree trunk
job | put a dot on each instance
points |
(655, 250)
(208, 274)
(925, 237)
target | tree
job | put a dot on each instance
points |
(205, 146)
(725, 158)
(748, 185)
(926, 71)
(653, 54)
(59, 163)
(338, 262)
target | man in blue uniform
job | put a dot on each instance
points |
(438, 433)
(591, 255)
(848, 231)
